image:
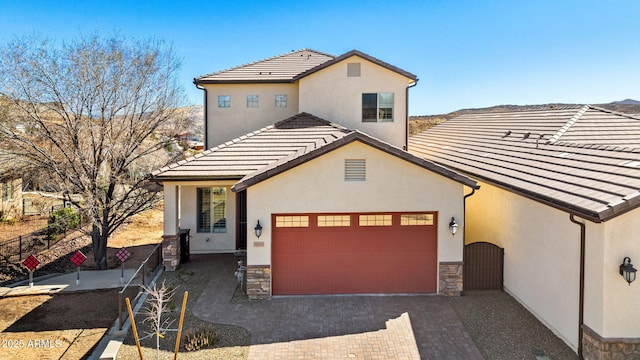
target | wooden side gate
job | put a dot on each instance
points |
(483, 266)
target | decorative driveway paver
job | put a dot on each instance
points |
(303, 326)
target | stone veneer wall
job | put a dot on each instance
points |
(171, 252)
(451, 278)
(595, 347)
(258, 281)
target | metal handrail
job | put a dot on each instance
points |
(123, 314)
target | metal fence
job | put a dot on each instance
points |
(16, 249)
(146, 272)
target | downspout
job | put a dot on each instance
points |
(406, 132)
(206, 122)
(581, 302)
(464, 233)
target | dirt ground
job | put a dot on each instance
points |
(69, 325)
(26, 225)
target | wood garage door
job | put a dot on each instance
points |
(354, 253)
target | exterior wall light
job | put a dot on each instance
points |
(258, 230)
(453, 226)
(627, 270)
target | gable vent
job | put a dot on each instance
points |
(355, 170)
(353, 69)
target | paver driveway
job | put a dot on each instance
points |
(312, 326)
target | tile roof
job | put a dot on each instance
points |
(584, 160)
(269, 151)
(244, 155)
(281, 68)
(288, 68)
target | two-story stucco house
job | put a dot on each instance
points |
(306, 170)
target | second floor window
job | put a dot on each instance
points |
(252, 101)
(281, 101)
(377, 107)
(224, 101)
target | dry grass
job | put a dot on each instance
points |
(26, 225)
(61, 340)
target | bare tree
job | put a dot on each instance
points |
(95, 115)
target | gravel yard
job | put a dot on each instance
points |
(192, 277)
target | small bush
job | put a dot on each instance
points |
(195, 340)
(62, 220)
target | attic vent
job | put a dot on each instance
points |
(631, 163)
(355, 170)
(353, 69)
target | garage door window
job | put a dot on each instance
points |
(416, 219)
(292, 221)
(375, 220)
(334, 220)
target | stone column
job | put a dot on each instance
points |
(171, 252)
(259, 281)
(595, 347)
(451, 278)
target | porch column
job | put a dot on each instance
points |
(171, 237)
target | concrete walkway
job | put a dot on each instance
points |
(331, 327)
(89, 280)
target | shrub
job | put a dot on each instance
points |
(62, 220)
(195, 340)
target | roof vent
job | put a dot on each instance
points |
(353, 69)
(506, 134)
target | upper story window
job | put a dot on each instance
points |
(377, 107)
(224, 101)
(353, 69)
(252, 101)
(212, 210)
(281, 101)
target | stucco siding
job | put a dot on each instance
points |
(11, 201)
(226, 124)
(621, 305)
(207, 242)
(542, 254)
(319, 186)
(331, 94)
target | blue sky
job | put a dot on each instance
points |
(465, 53)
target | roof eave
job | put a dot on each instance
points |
(258, 81)
(250, 179)
(367, 57)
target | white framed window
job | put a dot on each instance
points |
(377, 107)
(281, 101)
(212, 210)
(224, 101)
(252, 101)
(7, 190)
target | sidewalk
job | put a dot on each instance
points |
(89, 280)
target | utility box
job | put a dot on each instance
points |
(184, 245)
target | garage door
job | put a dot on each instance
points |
(363, 253)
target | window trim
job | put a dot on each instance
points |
(209, 219)
(224, 101)
(254, 102)
(281, 101)
(380, 113)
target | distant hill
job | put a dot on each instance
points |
(627, 102)
(424, 122)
